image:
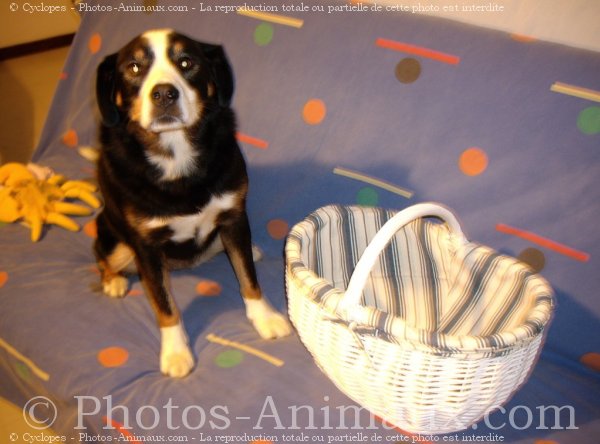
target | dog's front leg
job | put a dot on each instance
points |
(236, 239)
(176, 358)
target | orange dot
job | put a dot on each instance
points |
(113, 357)
(208, 288)
(591, 360)
(135, 292)
(261, 441)
(70, 138)
(3, 278)
(91, 229)
(277, 228)
(63, 76)
(473, 161)
(314, 111)
(95, 43)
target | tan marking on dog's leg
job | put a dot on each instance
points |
(267, 321)
(176, 359)
(114, 283)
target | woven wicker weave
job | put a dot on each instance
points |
(421, 327)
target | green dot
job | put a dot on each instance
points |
(229, 358)
(263, 34)
(588, 121)
(367, 196)
(23, 371)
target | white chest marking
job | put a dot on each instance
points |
(195, 226)
(183, 159)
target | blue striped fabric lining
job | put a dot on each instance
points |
(427, 290)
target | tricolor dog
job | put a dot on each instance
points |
(173, 179)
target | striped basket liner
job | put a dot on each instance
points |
(432, 299)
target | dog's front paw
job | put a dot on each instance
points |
(176, 358)
(269, 323)
(177, 364)
(116, 286)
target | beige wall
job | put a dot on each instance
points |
(21, 26)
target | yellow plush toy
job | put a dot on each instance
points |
(36, 195)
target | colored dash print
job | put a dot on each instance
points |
(575, 91)
(255, 142)
(272, 18)
(372, 181)
(543, 242)
(418, 51)
(245, 348)
(25, 360)
(121, 429)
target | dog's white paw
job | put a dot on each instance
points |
(269, 323)
(176, 359)
(177, 364)
(116, 286)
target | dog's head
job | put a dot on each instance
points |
(164, 81)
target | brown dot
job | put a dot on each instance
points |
(534, 258)
(277, 228)
(408, 70)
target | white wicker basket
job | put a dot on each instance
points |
(427, 331)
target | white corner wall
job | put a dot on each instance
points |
(570, 22)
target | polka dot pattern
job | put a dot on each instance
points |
(278, 228)
(3, 278)
(534, 258)
(473, 161)
(208, 288)
(588, 120)
(70, 138)
(591, 361)
(263, 34)
(229, 358)
(367, 196)
(95, 43)
(90, 229)
(314, 111)
(23, 371)
(113, 357)
(408, 70)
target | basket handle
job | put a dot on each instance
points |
(363, 268)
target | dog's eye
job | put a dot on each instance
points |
(134, 68)
(185, 63)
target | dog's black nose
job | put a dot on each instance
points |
(164, 95)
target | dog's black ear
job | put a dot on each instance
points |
(221, 71)
(106, 90)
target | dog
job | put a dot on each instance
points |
(173, 179)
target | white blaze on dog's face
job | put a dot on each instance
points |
(164, 81)
(166, 101)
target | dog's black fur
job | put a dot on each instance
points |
(137, 190)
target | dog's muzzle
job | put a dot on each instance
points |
(166, 110)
